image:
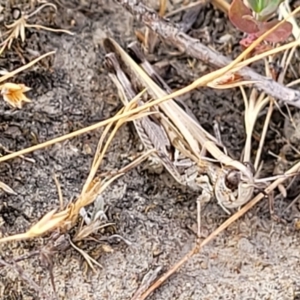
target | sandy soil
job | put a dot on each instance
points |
(256, 258)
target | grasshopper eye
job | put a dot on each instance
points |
(233, 179)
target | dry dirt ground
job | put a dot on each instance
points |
(255, 258)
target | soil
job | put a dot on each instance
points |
(257, 257)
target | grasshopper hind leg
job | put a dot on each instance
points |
(205, 197)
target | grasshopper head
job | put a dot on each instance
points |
(232, 190)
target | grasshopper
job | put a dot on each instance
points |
(182, 145)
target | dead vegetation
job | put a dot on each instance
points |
(232, 74)
(13, 93)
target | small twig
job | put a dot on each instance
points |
(163, 7)
(186, 7)
(297, 198)
(147, 280)
(60, 196)
(26, 256)
(21, 156)
(80, 131)
(22, 274)
(221, 228)
(263, 134)
(30, 64)
(40, 8)
(194, 48)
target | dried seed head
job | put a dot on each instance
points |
(14, 94)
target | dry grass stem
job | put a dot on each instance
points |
(15, 267)
(162, 7)
(197, 83)
(25, 67)
(67, 216)
(86, 231)
(60, 196)
(88, 259)
(186, 7)
(253, 106)
(257, 103)
(132, 112)
(197, 50)
(65, 219)
(14, 95)
(18, 27)
(221, 228)
(263, 134)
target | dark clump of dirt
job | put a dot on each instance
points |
(255, 258)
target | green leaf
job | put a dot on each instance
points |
(269, 9)
(264, 7)
(257, 5)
